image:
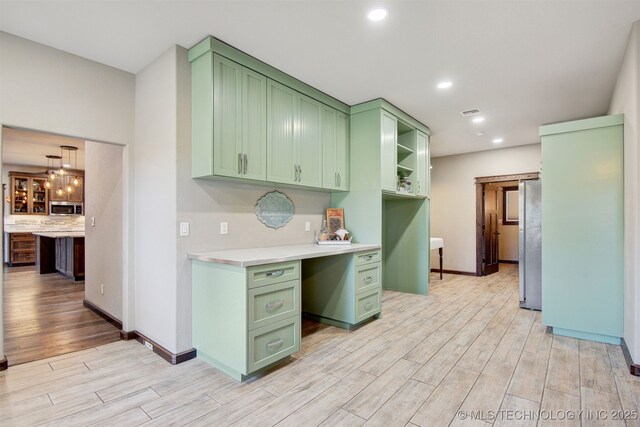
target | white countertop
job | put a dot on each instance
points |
(54, 234)
(258, 256)
(437, 242)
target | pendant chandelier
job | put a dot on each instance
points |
(61, 180)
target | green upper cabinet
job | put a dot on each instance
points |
(335, 149)
(388, 148)
(230, 138)
(239, 120)
(308, 138)
(251, 121)
(281, 149)
(294, 144)
(422, 165)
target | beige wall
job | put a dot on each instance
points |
(453, 200)
(626, 99)
(103, 189)
(50, 90)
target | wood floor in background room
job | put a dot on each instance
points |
(429, 361)
(44, 317)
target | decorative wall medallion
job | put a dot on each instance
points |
(274, 209)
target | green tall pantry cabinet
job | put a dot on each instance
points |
(582, 228)
(386, 145)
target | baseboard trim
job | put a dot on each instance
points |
(463, 273)
(506, 261)
(4, 364)
(128, 335)
(634, 368)
(172, 358)
(100, 312)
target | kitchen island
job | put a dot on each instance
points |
(61, 251)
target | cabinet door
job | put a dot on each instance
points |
(254, 125)
(422, 165)
(335, 149)
(329, 137)
(227, 117)
(308, 138)
(19, 195)
(39, 197)
(342, 150)
(389, 135)
(281, 109)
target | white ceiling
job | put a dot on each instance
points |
(523, 63)
(30, 148)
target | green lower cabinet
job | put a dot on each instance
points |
(342, 290)
(245, 319)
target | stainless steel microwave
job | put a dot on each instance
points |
(66, 208)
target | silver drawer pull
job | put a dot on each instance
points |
(273, 306)
(275, 273)
(368, 305)
(368, 257)
(274, 345)
(239, 162)
(368, 279)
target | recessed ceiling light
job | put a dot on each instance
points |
(377, 14)
(445, 84)
(478, 120)
(480, 133)
(497, 140)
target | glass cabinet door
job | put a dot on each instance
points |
(20, 195)
(39, 196)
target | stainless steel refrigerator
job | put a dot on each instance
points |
(530, 244)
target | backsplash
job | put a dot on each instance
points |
(43, 223)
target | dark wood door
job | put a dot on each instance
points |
(490, 227)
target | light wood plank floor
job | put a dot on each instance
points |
(44, 316)
(429, 361)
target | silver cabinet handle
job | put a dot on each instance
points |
(335, 179)
(275, 273)
(368, 279)
(245, 163)
(274, 345)
(274, 306)
(339, 180)
(368, 305)
(299, 173)
(239, 162)
(295, 172)
(368, 257)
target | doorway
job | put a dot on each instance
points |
(46, 290)
(492, 217)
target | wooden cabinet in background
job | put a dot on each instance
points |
(77, 195)
(28, 194)
(22, 249)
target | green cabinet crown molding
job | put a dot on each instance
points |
(386, 105)
(597, 122)
(214, 45)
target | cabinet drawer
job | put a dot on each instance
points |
(367, 257)
(273, 273)
(273, 342)
(271, 303)
(16, 237)
(23, 257)
(368, 277)
(367, 304)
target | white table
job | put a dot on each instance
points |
(438, 243)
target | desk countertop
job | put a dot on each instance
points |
(54, 234)
(258, 256)
(437, 242)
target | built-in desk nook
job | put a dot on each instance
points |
(247, 303)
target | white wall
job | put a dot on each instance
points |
(626, 99)
(103, 242)
(155, 204)
(453, 198)
(50, 90)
